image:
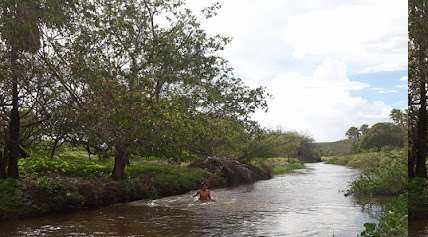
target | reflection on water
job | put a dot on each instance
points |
(308, 203)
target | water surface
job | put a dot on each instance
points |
(307, 203)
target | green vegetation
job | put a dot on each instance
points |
(48, 185)
(383, 175)
(380, 153)
(73, 181)
(343, 147)
(131, 79)
(393, 221)
(277, 143)
(279, 165)
(418, 112)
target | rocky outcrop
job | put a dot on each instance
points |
(235, 172)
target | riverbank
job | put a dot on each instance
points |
(274, 207)
(72, 181)
(383, 176)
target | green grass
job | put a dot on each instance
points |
(279, 165)
(70, 166)
(168, 175)
(360, 160)
(72, 180)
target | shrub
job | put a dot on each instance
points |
(392, 223)
(387, 177)
(279, 165)
(12, 198)
(71, 166)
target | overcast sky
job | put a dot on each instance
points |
(329, 64)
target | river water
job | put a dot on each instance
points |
(310, 202)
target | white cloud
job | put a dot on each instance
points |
(303, 50)
(320, 104)
(270, 36)
(365, 34)
(405, 86)
(384, 90)
(405, 78)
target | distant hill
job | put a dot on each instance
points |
(341, 147)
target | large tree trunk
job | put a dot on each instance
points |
(121, 159)
(2, 166)
(421, 133)
(12, 144)
(53, 149)
(411, 163)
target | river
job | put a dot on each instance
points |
(310, 202)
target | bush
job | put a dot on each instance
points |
(12, 198)
(381, 135)
(392, 223)
(387, 177)
(279, 165)
(71, 166)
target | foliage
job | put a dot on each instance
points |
(74, 181)
(279, 165)
(382, 134)
(134, 77)
(383, 173)
(12, 198)
(342, 147)
(278, 143)
(393, 222)
(389, 177)
(353, 133)
(417, 93)
(72, 167)
(379, 135)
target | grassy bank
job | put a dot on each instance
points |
(383, 175)
(73, 182)
(279, 165)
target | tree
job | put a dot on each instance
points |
(363, 129)
(353, 133)
(278, 143)
(418, 44)
(21, 24)
(399, 117)
(381, 135)
(147, 76)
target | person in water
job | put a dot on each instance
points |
(204, 193)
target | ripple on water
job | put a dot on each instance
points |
(308, 203)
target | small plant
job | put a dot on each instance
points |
(370, 230)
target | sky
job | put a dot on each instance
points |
(328, 64)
